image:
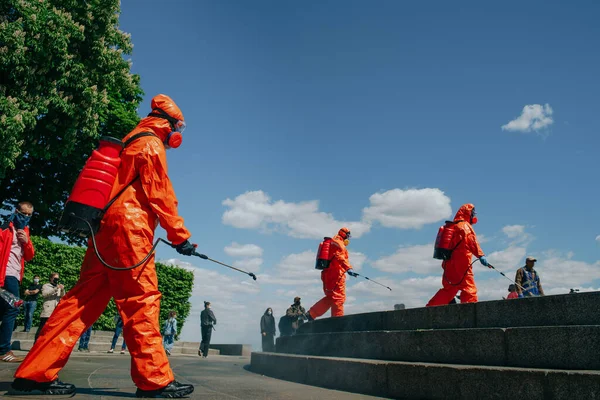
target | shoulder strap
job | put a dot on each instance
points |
(136, 137)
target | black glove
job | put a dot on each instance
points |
(186, 248)
(352, 273)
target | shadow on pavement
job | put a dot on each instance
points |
(104, 392)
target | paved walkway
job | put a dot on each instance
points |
(104, 376)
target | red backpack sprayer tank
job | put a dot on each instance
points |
(90, 196)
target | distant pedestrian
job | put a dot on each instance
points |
(267, 330)
(296, 314)
(207, 322)
(52, 293)
(512, 292)
(31, 296)
(15, 249)
(84, 340)
(118, 330)
(169, 331)
(528, 278)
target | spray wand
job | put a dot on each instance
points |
(204, 257)
(369, 279)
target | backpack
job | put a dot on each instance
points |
(442, 249)
(324, 254)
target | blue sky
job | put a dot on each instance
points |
(332, 102)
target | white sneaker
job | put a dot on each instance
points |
(111, 351)
(122, 351)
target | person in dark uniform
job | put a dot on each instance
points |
(207, 322)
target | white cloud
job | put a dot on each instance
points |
(513, 231)
(417, 259)
(251, 255)
(406, 209)
(295, 269)
(243, 250)
(249, 264)
(256, 210)
(562, 271)
(533, 117)
(507, 259)
(517, 234)
(357, 259)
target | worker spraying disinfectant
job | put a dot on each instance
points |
(456, 245)
(119, 198)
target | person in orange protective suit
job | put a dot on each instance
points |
(458, 271)
(125, 237)
(334, 279)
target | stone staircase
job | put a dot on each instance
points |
(100, 342)
(534, 348)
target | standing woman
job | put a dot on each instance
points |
(169, 331)
(267, 330)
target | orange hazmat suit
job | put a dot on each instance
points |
(458, 272)
(334, 280)
(124, 238)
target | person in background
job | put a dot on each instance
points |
(296, 314)
(84, 340)
(512, 292)
(15, 249)
(207, 322)
(51, 292)
(169, 331)
(267, 330)
(30, 302)
(118, 330)
(529, 279)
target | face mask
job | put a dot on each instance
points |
(473, 217)
(20, 221)
(36, 281)
(55, 281)
(269, 312)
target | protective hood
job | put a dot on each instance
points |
(267, 311)
(464, 213)
(160, 126)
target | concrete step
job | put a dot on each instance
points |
(568, 309)
(403, 380)
(565, 347)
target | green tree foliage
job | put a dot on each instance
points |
(63, 84)
(174, 283)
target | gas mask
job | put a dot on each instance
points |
(19, 220)
(473, 217)
(175, 137)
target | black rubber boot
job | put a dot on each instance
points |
(172, 390)
(50, 388)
